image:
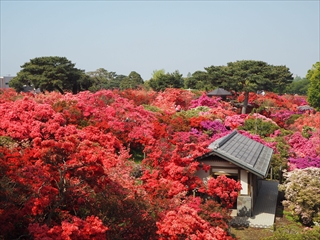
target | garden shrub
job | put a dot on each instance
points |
(195, 112)
(292, 119)
(302, 189)
(258, 126)
(307, 131)
(151, 108)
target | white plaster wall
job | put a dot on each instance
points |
(244, 182)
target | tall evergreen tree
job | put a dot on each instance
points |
(51, 73)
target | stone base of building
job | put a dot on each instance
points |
(244, 206)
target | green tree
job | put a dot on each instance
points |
(281, 77)
(249, 76)
(168, 80)
(314, 88)
(103, 79)
(51, 73)
(157, 73)
(133, 81)
(298, 86)
(199, 80)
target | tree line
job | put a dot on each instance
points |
(60, 74)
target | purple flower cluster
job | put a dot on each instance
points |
(305, 162)
(215, 126)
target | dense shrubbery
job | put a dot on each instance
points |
(67, 162)
(260, 127)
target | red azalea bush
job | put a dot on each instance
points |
(224, 189)
(170, 98)
(185, 223)
(91, 228)
(311, 120)
(276, 102)
(66, 168)
(235, 121)
(139, 96)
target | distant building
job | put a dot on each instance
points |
(4, 81)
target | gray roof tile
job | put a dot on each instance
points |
(243, 152)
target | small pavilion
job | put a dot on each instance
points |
(219, 92)
(242, 159)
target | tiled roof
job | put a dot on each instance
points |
(219, 92)
(243, 152)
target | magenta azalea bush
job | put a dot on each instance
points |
(215, 126)
(204, 100)
(302, 163)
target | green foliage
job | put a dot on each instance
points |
(151, 108)
(298, 86)
(249, 76)
(260, 127)
(307, 131)
(198, 80)
(292, 119)
(194, 112)
(291, 232)
(280, 77)
(137, 154)
(5, 141)
(133, 81)
(169, 80)
(156, 74)
(279, 160)
(49, 74)
(103, 79)
(314, 89)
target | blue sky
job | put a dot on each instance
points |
(142, 36)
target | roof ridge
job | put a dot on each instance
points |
(263, 146)
(227, 138)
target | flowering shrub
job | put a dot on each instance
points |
(204, 100)
(234, 121)
(91, 228)
(259, 126)
(302, 188)
(225, 189)
(67, 165)
(171, 97)
(303, 147)
(185, 223)
(281, 117)
(305, 162)
(213, 127)
(311, 120)
(275, 102)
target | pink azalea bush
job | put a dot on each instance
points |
(303, 147)
(302, 189)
